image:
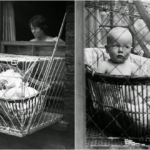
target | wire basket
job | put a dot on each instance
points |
(30, 93)
(114, 113)
(107, 108)
(112, 106)
(22, 108)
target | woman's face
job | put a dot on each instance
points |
(36, 31)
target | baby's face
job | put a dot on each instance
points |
(119, 50)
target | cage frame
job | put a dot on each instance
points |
(130, 25)
(60, 53)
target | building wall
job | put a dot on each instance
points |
(69, 55)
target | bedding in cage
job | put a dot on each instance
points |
(112, 112)
(31, 90)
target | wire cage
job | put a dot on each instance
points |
(109, 114)
(101, 16)
(31, 89)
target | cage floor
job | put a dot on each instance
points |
(37, 123)
(95, 139)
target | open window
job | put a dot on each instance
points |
(24, 10)
(15, 30)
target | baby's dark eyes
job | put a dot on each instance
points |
(118, 46)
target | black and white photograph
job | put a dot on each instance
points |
(114, 108)
(37, 75)
(75, 74)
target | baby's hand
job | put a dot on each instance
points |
(2, 84)
(90, 68)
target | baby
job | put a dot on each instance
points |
(119, 45)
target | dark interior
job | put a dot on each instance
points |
(52, 10)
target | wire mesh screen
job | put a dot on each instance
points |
(101, 16)
(31, 91)
(117, 103)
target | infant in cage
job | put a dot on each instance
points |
(12, 85)
(128, 98)
(21, 97)
(119, 45)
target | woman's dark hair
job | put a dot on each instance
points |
(38, 21)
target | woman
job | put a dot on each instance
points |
(38, 27)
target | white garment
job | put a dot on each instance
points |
(93, 57)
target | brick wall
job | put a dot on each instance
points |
(69, 55)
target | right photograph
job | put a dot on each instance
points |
(117, 74)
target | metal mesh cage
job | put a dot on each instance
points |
(101, 16)
(107, 109)
(31, 91)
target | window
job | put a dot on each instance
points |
(24, 10)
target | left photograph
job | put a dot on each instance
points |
(37, 74)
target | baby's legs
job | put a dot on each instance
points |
(132, 94)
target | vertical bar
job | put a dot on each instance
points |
(2, 48)
(80, 127)
(1, 21)
(131, 12)
(142, 12)
(111, 14)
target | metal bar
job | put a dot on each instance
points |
(115, 11)
(59, 35)
(131, 12)
(27, 43)
(111, 15)
(80, 126)
(133, 31)
(52, 57)
(142, 12)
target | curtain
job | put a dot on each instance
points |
(8, 26)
